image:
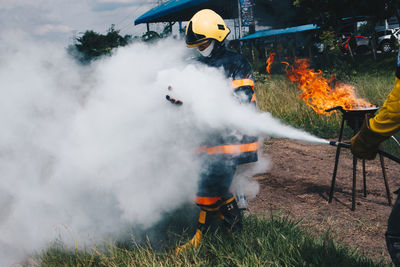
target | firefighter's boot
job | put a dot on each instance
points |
(198, 236)
(231, 215)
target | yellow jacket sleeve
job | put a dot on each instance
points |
(387, 121)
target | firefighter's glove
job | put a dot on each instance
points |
(173, 100)
(365, 143)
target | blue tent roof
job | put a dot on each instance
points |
(183, 10)
(266, 33)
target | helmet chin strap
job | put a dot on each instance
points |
(207, 52)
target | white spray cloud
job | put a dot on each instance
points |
(210, 86)
(87, 151)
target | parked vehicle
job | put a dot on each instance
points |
(386, 39)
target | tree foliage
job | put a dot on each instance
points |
(92, 45)
(324, 13)
(328, 13)
(278, 13)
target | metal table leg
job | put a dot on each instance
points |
(364, 178)
(389, 196)
(353, 192)
(336, 163)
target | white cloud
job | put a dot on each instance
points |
(9, 4)
(59, 19)
(48, 28)
(135, 2)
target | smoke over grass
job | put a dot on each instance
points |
(86, 152)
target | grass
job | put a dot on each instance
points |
(372, 87)
(275, 241)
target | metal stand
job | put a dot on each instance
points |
(353, 196)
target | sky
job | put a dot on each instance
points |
(60, 20)
(63, 20)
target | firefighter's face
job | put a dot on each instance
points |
(204, 45)
(205, 48)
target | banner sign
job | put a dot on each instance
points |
(247, 11)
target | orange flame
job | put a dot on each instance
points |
(318, 92)
(269, 62)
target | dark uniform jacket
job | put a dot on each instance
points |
(241, 148)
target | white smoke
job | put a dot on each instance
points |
(88, 151)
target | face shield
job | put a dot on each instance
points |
(206, 52)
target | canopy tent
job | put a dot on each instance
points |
(267, 33)
(183, 10)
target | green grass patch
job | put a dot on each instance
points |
(275, 241)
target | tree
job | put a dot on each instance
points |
(92, 45)
(278, 13)
(343, 16)
(329, 13)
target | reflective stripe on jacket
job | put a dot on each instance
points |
(243, 85)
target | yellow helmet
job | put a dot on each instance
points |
(205, 25)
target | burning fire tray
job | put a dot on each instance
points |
(354, 111)
(354, 117)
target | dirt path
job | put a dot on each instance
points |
(298, 185)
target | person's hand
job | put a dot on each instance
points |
(365, 143)
(173, 100)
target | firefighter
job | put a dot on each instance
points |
(365, 145)
(221, 153)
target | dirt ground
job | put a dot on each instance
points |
(298, 184)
